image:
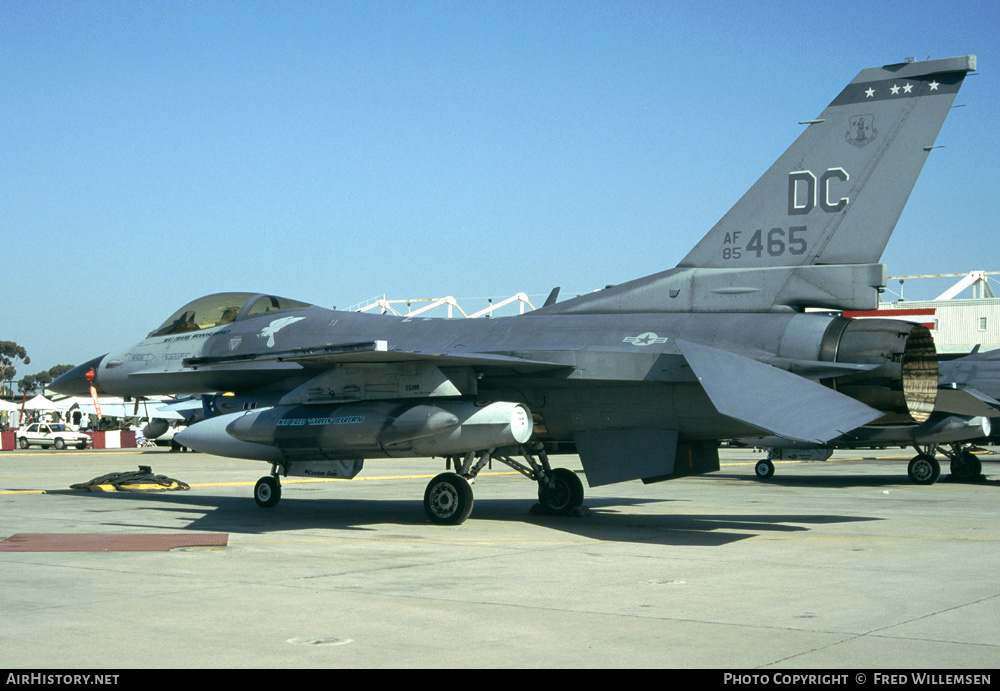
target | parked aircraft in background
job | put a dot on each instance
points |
(966, 405)
(641, 379)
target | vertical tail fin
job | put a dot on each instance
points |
(835, 195)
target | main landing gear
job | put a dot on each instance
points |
(448, 499)
(965, 465)
(924, 468)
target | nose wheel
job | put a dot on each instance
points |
(764, 470)
(267, 492)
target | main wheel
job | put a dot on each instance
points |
(924, 470)
(764, 469)
(60, 443)
(23, 442)
(448, 499)
(564, 494)
(966, 466)
(267, 492)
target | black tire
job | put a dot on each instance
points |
(60, 443)
(448, 499)
(82, 445)
(267, 492)
(764, 470)
(924, 470)
(563, 495)
(23, 443)
(966, 467)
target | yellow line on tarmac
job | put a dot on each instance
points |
(75, 452)
(376, 541)
(290, 481)
(829, 460)
(305, 480)
(245, 483)
(861, 538)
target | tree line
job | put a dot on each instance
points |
(12, 356)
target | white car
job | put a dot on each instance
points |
(46, 434)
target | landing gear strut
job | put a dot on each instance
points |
(448, 498)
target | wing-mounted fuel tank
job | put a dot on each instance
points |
(374, 429)
(904, 383)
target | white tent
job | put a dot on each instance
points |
(40, 402)
(116, 407)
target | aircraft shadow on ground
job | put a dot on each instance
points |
(609, 518)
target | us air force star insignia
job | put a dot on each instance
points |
(276, 326)
(648, 338)
(869, 92)
(934, 85)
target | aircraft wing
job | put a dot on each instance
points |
(370, 352)
(126, 409)
(771, 399)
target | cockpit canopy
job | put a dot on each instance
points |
(222, 308)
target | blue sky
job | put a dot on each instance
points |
(154, 152)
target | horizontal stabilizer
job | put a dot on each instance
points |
(966, 401)
(771, 399)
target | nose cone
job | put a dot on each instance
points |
(77, 381)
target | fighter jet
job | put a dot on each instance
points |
(965, 411)
(970, 385)
(941, 433)
(641, 379)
